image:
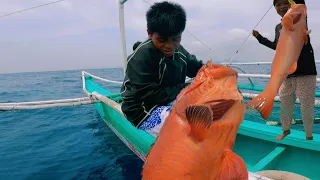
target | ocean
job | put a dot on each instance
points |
(71, 142)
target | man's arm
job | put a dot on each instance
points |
(193, 64)
(267, 42)
(138, 77)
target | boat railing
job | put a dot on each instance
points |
(265, 76)
(243, 71)
(93, 98)
(98, 96)
(255, 63)
(84, 73)
(248, 75)
(246, 95)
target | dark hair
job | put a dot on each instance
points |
(296, 1)
(274, 2)
(136, 45)
(166, 18)
(299, 2)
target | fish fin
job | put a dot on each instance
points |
(296, 18)
(200, 119)
(232, 167)
(305, 36)
(220, 107)
(293, 68)
(263, 103)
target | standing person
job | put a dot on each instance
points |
(301, 84)
(157, 69)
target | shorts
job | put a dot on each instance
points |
(154, 123)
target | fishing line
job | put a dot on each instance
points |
(250, 34)
(27, 9)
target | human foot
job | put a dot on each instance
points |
(283, 135)
(309, 138)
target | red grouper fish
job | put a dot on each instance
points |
(292, 38)
(197, 137)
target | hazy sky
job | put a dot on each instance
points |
(82, 34)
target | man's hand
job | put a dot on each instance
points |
(255, 33)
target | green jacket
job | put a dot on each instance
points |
(153, 80)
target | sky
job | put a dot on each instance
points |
(85, 34)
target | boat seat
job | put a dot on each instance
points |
(269, 158)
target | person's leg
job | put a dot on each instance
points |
(287, 101)
(306, 88)
(155, 121)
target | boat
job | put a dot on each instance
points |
(265, 158)
(255, 141)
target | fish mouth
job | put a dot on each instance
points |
(220, 107)
(297, 18)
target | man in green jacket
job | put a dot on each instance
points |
(157, 69)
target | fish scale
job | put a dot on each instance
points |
(172, 159)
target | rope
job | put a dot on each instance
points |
(250, 34)
(27, 9)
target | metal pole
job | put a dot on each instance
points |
(122, 34)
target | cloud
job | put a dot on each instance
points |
(79, 34)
